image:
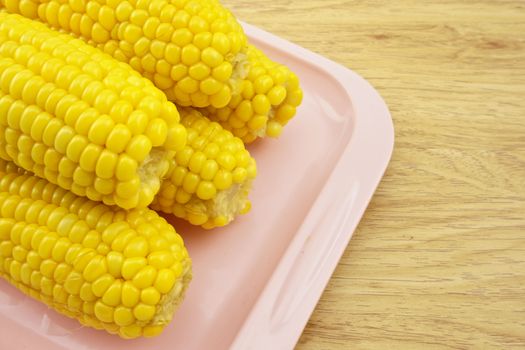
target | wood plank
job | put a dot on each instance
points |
(438, 261)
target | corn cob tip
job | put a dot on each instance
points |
(121, 271)
(266, 100)
(209, 180)
(80, 118)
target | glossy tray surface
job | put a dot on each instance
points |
(257, 281)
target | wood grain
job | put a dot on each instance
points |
(438, 261)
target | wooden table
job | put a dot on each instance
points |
(438, 260)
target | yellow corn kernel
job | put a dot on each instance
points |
(223, 180)
(123, 316)
(209, 178)
(190, 183)
(274, 129)
(106, 164)
(261, 104)
(114, 262)
(86, 293)
(73, 283)
(94, 269)
(112, 296)
(175, 135)
(128, 293)
(206, 190)
(104, 186)
(131, 266)
(104, 312)
(144, 312)
(125, 168)
(126, 189)
(157, 131)
(130, 332)
(165, 280)
(92, 116)
(157, 244)
(145, 277)
(139, 147)
(118, 139)
(137, 122)
(161, 259)
(150, 296)
(240, 175)
(137, 247)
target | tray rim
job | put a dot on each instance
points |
(264, 326)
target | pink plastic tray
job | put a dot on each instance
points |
(257, 281)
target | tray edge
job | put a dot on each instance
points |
(270, 324)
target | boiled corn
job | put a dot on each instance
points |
(122, 271)
(191, 49)
(268, 99)
(80, 118)
(209, 180)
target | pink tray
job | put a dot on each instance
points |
(257, 281)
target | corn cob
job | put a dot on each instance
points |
(122, 271)
(268, 99)
(209, 180)
(81, 119)
(192, 50)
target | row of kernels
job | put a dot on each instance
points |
(189, 33)
(30, 36)
(89, 89)
(96, 216)
(101, 180)
(94, 127)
